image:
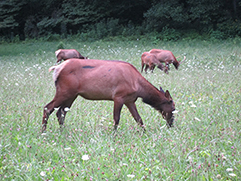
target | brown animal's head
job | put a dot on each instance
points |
(167, 109)
(177, 63)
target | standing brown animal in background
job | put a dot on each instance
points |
(150, 61)
(105, 80)
(167, 57)
(67, 54)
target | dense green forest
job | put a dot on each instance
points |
(96, 19)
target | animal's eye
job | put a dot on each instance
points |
(171, 101)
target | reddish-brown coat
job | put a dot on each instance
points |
(149, 60)
(64, 54)
(167, 57)
(105, 80)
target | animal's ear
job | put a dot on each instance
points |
(168, 96)
(161, 89)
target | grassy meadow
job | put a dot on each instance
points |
(204, 144)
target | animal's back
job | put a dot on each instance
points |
(99, 79)
(149, 57)
(163, 55)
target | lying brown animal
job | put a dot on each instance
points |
(105, 80)
(64, 54)
(150, 61)
(167, 57)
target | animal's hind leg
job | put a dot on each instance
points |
(48, 109)
(64, 108)
(61, 115)
(55, 103)
(142, 66)
(135, 114)
(147, 66)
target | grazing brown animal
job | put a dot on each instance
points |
(150, 61)
(167, 57)
(105, 80)
(64, 54)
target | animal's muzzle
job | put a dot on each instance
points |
(169, 118)
(170, 122)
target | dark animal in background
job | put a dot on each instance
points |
(64, 54)
(167, 57)
(150, 61)
(105, 80)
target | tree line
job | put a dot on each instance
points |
(100, 18)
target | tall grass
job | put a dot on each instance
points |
(203, 145)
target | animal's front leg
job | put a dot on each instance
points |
(61, 115)
(135, 114)
(166, 68)
(118, 104)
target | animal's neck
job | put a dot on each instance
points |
(152, 96)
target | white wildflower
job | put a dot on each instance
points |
(197, 119)
(232, 174)
(43, 134)
(229, 169)
(85, 157)
(92, 140)
(68, 148)
(193, 105)
(131, 176)
(42, 173)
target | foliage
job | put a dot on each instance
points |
(165, 14)
(32, 19)
(10, 16)
(230, 29)
(60, 45)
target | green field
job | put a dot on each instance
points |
(204, 144)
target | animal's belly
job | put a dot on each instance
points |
(96, 95)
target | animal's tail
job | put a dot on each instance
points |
(57, 69)
(52, 68)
